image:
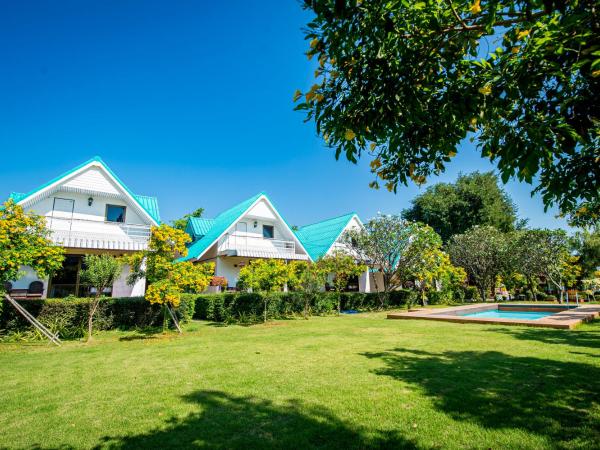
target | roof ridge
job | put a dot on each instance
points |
(331, 218)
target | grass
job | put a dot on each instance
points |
(332, 382)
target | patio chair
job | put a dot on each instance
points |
(36, 289)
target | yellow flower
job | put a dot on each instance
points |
(375, 164)
(314, 43)
(349, 135)
(476, 7)
(596, 73)
(473, 121)
(515, 49)
(522, 34)
(486, 90)
(372, 146)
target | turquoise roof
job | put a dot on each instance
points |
(148, 204)
(220, 224)
(318, 238)
(197, 227)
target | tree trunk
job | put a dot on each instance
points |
(93, 307)
(482, 291)
(165, 318)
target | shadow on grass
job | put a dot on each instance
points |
(575, 338)
(541, 396)
(226, 421)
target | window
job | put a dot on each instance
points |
(268, 231)
(115, 213)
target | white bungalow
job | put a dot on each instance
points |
(255, 229)
(252, 229)
(324, 238)
(89, 210)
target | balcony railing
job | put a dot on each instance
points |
(87, 233)
(251, 242)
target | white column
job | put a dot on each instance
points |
(364, 281)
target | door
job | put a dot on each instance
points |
(61, 217)
(241, 232)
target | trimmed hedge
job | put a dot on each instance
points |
(243, 307)
(68, 316)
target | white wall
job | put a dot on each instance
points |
(226, 267)
(122, 289)
(261, 214)
(97, 211)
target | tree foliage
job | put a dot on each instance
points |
(342, 266)
(481, 251)
(168, 278)
(180, 224)
(100, 273)
(586, 244)
(407, 81)
(25, 241)
(309, 278)
(393, 246)
(434, 270)
(453, 208)
(266, 276)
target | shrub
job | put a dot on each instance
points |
(68, 316)
(244, 307)
(470, 293)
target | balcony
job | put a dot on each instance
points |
(253, 246)
(98, 234)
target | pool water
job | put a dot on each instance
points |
(519, 315)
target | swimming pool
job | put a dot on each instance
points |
(518, 315)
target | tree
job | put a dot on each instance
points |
(168, 278)
(25, 241)
(453, 208)
(586, 244)
(481, 252)
(180, 224)
(406, 82)
(100, 273)
(266, 276)
(558, 264)
(529, 256)
(309, 278)
(393, 246)
(342, 267)
(434, 270)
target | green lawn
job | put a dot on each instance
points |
(335, 382)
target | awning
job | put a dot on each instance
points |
(253, 253)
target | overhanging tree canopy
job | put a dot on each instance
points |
(408, 81)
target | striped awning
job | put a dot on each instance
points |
(254, 253)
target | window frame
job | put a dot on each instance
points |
(108, 205)
(272, 227)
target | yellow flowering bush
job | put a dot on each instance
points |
(25, 241)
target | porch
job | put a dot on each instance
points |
(98, 234)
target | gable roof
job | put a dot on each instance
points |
(197, 227)
(318, 238)
(223, 222)
(148, 205)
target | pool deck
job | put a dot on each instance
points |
(566, 319)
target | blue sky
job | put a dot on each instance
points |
(188, 101)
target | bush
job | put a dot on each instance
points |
(244, 307)
(68, 316)
(470, 293)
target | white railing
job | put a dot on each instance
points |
(248, 241)
(87, 233)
